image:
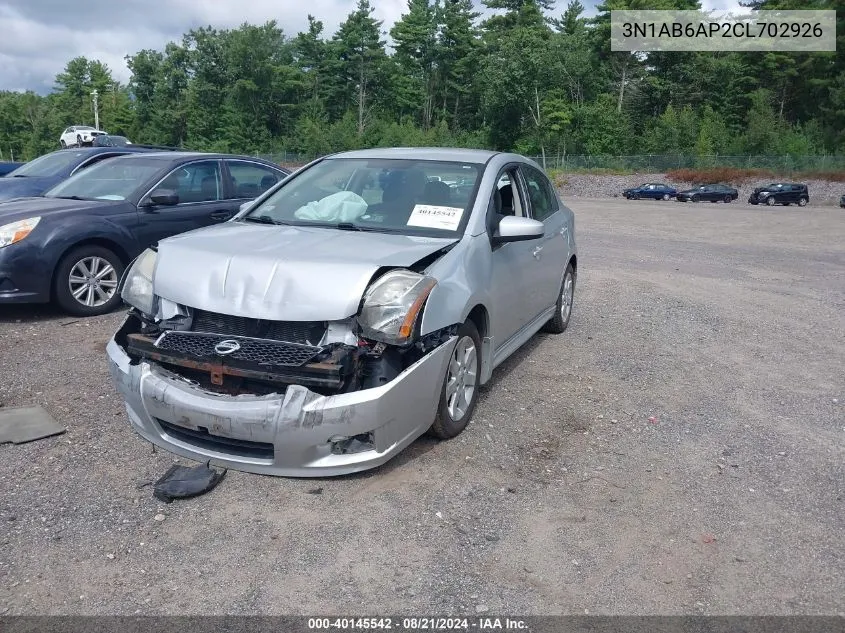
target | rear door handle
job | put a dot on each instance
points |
(220, 215)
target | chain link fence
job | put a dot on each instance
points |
(659, 163)
(649, 163)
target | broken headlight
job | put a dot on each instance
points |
(392, 304)
(138, 284)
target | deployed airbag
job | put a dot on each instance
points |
(344, 206)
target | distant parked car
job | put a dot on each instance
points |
(42, 173)
(842, 201)
(655, 190)
(73, 243)
(708, 193)
(8, 167)
(110, 140)
(79, 135)
(780, 193)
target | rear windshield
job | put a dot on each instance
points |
(50, 164)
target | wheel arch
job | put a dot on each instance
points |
(102, 242)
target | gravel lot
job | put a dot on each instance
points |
(678, 450)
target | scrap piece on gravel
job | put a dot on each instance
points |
(26, 424)
(182, 482)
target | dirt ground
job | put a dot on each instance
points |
(679, 450)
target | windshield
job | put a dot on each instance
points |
(111, 179)
(50, 164)
(411, 197)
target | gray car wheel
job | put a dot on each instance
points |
(86, 281)
(460, 385)
(563, 308)
(665, 196)
(802, 202)
(770, 201)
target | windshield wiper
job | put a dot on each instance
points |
(70, 197)
(349, 226)
(262, 219)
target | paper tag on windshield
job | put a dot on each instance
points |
(435, 217)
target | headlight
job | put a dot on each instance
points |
(392, 304)
(138, 284)
(16, 231)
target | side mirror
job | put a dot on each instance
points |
(515, 229)
(164, 197)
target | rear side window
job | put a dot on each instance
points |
(543, 200)
(250, 180)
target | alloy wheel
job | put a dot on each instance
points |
(93, 281)
(461, 378)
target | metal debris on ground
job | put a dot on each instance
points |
(26, 424)
(182, 482)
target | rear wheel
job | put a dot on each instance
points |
(770, 201)
(802, 202)
(460, 385)
(695, 198)
(665, 196)
(728, 199)
(563, 308)
(86, 281)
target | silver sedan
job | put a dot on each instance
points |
(353, 307)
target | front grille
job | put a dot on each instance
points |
(304, 332)
(218, 443)
(262, 352)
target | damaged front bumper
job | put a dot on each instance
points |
(298, 433)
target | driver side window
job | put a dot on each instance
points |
(508, 193)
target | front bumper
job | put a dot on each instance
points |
(280, 434)
(24, 276)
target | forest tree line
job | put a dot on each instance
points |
(527, 76)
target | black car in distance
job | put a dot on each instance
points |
(785, 193)
(708, 193)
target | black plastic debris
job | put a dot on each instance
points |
(182, 482)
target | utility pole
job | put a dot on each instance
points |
(95, 94)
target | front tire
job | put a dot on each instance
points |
(770, 201)
(728, 199)
(86, 281)
(665, 196)
(459, 394)
(63, 144)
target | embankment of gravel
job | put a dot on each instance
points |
(822, 192)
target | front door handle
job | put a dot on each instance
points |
(220, 215)
(537, 252)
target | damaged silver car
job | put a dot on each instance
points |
(351, 308)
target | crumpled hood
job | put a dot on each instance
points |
(282, 273)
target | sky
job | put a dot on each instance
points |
(41, 36)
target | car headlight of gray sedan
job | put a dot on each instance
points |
(138, 285)
(392, 304)
(359, 304)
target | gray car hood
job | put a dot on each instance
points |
(281, 273)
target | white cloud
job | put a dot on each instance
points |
(41, 36)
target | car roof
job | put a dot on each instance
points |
(451, 154)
